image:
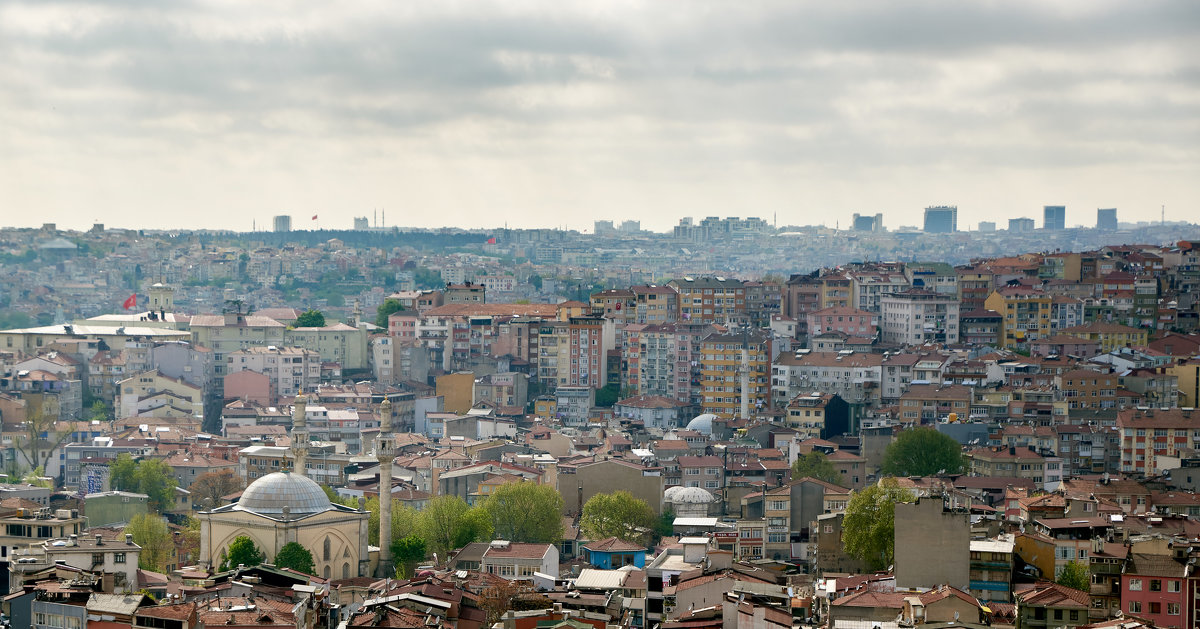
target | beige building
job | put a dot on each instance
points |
(291, 369)
(228, 333)
(579, 482)
(926, 529)
(151, 394)
(338, 343)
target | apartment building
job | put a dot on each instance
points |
(711, 300)
(290, 369)
(721, 368)
(1026, 315)
(915, 317)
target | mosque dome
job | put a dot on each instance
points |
(270, 494)
(693, 495)
(702, 423)
(671, 492)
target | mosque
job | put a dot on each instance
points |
(289, 507)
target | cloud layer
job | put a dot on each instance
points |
(211, 114)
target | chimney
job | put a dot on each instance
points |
(99, 541)
(74, 540)
(129, 539)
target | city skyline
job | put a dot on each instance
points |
(548, 114)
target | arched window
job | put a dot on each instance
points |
(345, 571)
(326, 574)
(326, 548)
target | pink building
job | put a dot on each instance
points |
(403, 324)
(848, 321)
(251, 386)
(1153, 588)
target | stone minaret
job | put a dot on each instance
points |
(299, 434)
(385, 453)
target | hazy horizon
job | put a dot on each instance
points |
(201, 115)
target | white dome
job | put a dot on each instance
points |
(270, 494)
(702, 423)
(671, 492)
(693, 495)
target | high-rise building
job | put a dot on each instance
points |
(1054, 217)
(1106, 219)
(361, 223)
(941, 219)
(1020, 224)
(867, 222)
(283, 223)
(987, 226)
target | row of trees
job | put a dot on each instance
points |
(915, 452)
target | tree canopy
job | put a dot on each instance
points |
(816, 465)
(208, 489)
(242, 552)
(923, 452)
(311, 319)
(447, 523)
(385, 310)
(407, 553)
(404, 519)
(152, 477)
(296, 557)
(1076, 576)
(526, 512)
(619, 515)
(151, 532)
(869, 526)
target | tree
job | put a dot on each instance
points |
(150, 531)
(296, 557)
(156, 479)
(123, 472)
(311, 319)
(404, 519)
(923, 452)
(208, 489)
(608, 395)
(388, 308)
(243, 552)
(526, 512)
(816, 465)
(618, 515)
(41, 434)
(407, 553)
(869, 526)
(1075, 575)
(447, 522)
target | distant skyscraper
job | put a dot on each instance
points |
(361, 223)
(631, 227)
(283, 223)
(1020, 224)
(941, 219)
(1106, 219)
(603, 228)
(1054, 217)
(867, 223)
(987, 226)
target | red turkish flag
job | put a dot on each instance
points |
(130, 302)
(314, 217)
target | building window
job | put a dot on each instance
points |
(1172, 609)
(1155, 585)
(1135, 585)
(118, 557)
(1135, 607)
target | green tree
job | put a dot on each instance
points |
(816, 465)
(526, 512)
(150, 531)
(923, 452)
(404, 519)
(243, 552)
(1075, 575)
(296, 557)
(608, 395)
(156, 479)
(618, 515)
(666, 524)
(122, 473)
(447, 523)
(385, 310)
(99, 411)
(869, 526)
(311, 319)
(407, 553)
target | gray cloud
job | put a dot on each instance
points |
(471, 111)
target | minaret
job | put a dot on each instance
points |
(385, 454)
(299, 434)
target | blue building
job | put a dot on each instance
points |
(613, 553)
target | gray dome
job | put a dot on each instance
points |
(693, 495)
(271, 493)
(702, 423)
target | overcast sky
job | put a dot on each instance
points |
(213, 114)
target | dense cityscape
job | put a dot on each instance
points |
(734, 423)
